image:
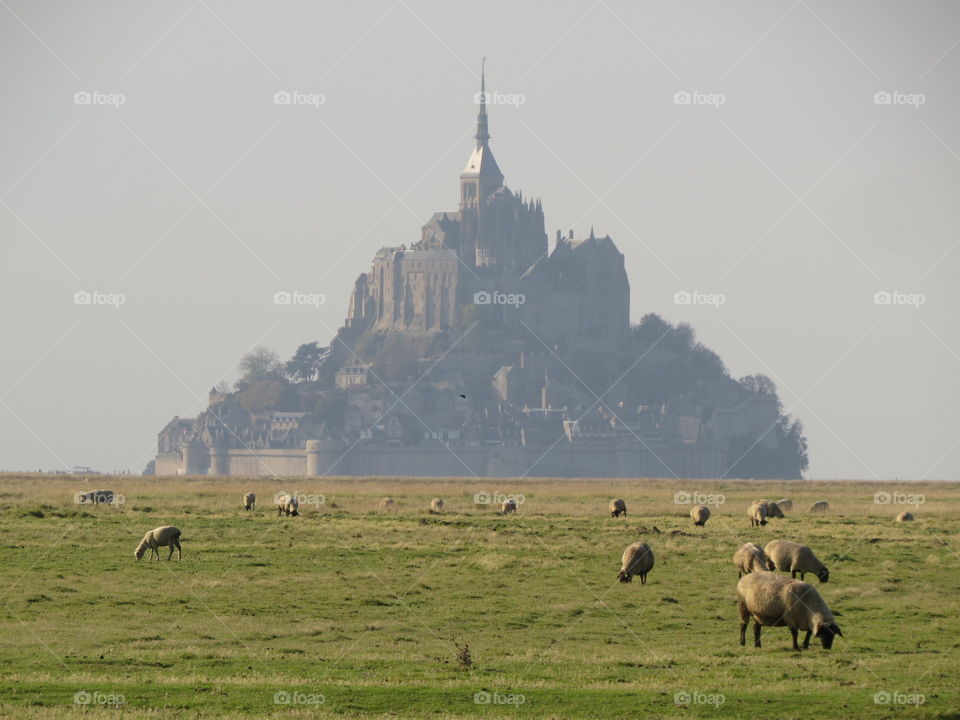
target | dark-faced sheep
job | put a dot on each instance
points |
(436, 506)
(618, 507)
(757, 513)
(249, 500)
(166, 536)
(637, 560)
(905, 517)
(795, 558)
(700, 514)
(777, 601)
(508, 506)
(288, 505)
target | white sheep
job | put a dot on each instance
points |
(436, 505)
(700, 514)
(249, 500)
(905, 517)
(618, 507)
(166, 536)
(757, 513)
(509, 506)
(821, 506)
(795, 558)
(388, 504)
(288, 505)
(776, 601)
(637, 560)
(749, 558)
(785, 504)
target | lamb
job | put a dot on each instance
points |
(166, 536)
(795, 558)
(905, 517)
(618, 507)
(388, 504)
(749, 558)
(757, 514)
(249, 500)
(821, 506)
(700, 514)
(436, 505)
(785, 504)
(509, 506)
(637, 560)
(773, 600)
(288, 505)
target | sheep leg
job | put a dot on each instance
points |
(806, 640)
(756, 634)
(179, 550)
(793, 574)
(793, 632)
(643, 578)
(744, 620)
(171, 552)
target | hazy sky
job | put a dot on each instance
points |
(786, 185)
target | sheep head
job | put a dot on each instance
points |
(824, 574)
(141, 549)
(625, 577)
(826, 632)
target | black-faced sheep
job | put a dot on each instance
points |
(637, 560)
(508, 506)
(249, 500)
(749, 558)
(905, 516)
(436, 505)
(618, 507)
(700, 514)
(757, 513)
(795, 558)
(776, 601)
(166, 536)
(288, 505)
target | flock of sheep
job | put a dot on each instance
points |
(772, 600)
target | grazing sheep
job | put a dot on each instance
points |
(436, 505)
(700, 514)
(905, 517)
(785, 504)
(249, 500)
(795, 558)
(288, 505)
(773, 600)
(388, 504)
(618, 507)
(773, 510)
(637, 560)
(509, 506)
(749, 558)
(821, 506)
(757, 514)
(166, 536)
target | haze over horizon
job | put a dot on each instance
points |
(782, 155)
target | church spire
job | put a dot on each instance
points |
(483, 134)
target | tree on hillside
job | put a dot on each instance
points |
(306, 363)
(259, 364)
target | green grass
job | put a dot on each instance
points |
(365, 610)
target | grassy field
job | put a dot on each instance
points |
(347, 612)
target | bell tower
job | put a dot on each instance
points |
(481, 176)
